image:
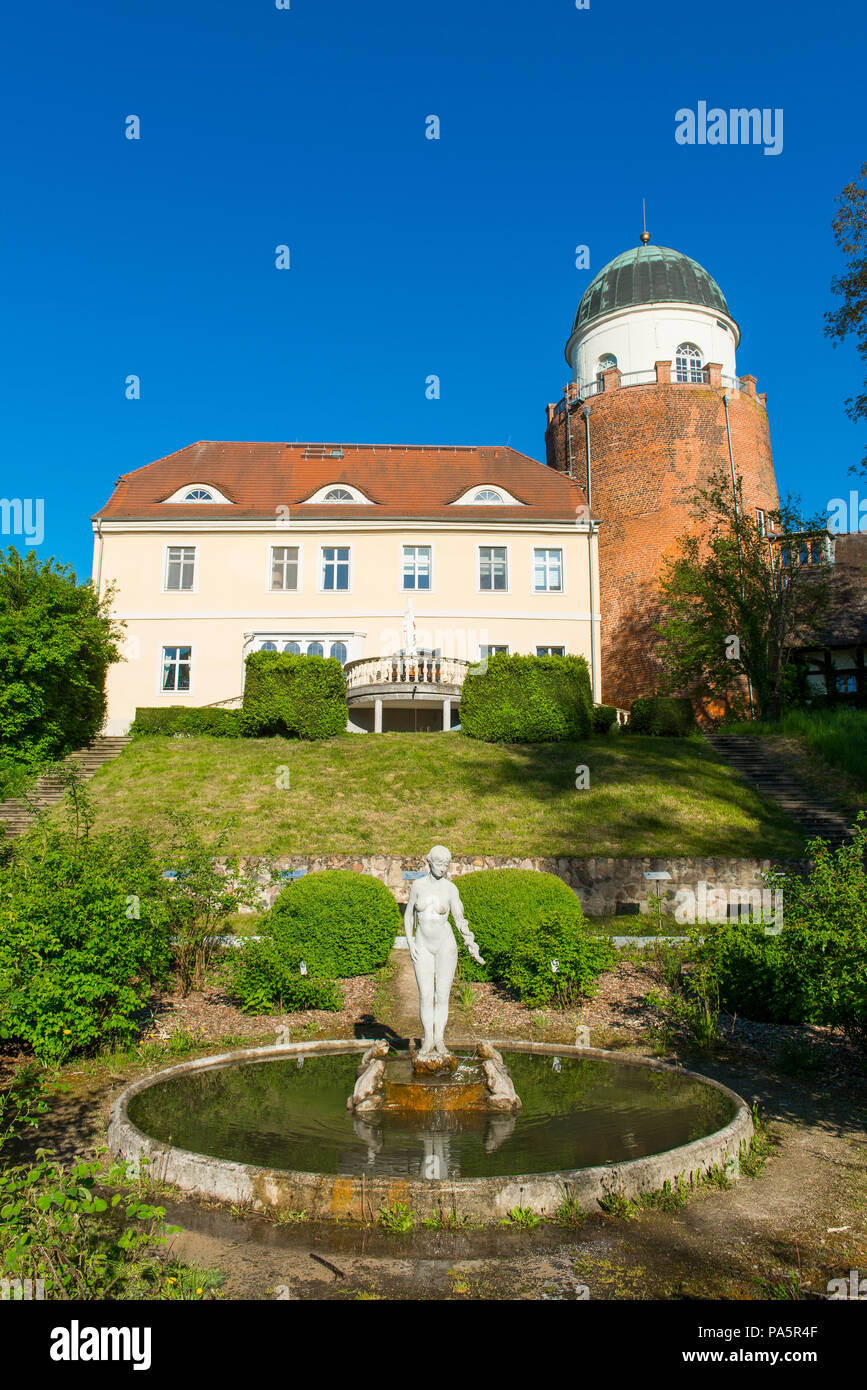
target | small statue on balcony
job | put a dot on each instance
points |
(434, 954)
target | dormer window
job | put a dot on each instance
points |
(487, 495)
(199, 494)
(338, 494)
(346, 493)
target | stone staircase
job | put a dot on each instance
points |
(812, 814)
(17, 814)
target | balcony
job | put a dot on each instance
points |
(407, 691)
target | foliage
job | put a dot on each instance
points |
(528, 699)
(198, 897)
(297, 696)
(503, 906)
(397, 1218)
(731, 611)
(21, 1102)
(57, 640)
(556, 961)
(83, 941)
(662, 716)
(815, 969)
(266, 978)
(340, 922)
(603, 717)
(181, 719)
(521, 1216)
(850, 234)
(693, 1005)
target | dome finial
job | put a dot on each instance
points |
(645, 235)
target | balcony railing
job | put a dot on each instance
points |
(428, 669)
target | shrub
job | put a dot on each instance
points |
(179, 719)
(528, 699)
(603, 717)
(297, 696)
(556, 961)
(339, 922)
(504, 906)
(265, 977)
(666, 716)
(82, 936)
(815, 969)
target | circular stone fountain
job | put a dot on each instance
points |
(270, 1127)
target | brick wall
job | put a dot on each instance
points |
(651, 447)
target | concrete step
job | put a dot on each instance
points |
(814, 816)
(17, 813)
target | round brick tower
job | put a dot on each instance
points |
(656, 405)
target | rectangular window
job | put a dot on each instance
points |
(550, 651)
(492, 651)
(176, 668)
(284, 567)
(180, 567)
(493, 567)
(548, 571)
(416, 567)
(760, 521)
(847, 684)
(335, 567)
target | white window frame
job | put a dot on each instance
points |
(547, 548)
(277, 545)
(486, 649)
(320, 576)
(549, 645)
(174, 546)
(692, 356)
(164, 647)
(760, 522)
(411, 545)
(485, 545)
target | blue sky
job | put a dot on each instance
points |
(409, 257)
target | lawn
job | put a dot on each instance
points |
(401, 793)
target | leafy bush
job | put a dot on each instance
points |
(815, 969)
(603, 717)
(666, 716)
(342, 923)
(504, 906)
(82, 936)
(297, 696)
(556, 961)
(179, 719)
(528, 699)
(265, 978)
(57, 641)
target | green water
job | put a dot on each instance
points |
(291, 1114)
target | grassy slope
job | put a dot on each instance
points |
(399, 793)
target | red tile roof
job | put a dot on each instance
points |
(417, 482)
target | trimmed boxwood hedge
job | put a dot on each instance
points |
(528, 699)
(603, 717)
(504, 905)
(180, 719)
(667, 716)
(338, 922)
(297, 696)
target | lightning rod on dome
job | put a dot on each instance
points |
(645, 235)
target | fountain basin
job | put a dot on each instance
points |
(263, 1127)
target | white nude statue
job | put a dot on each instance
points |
(434, 950)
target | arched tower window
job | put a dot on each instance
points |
(688, 365)
(605, 364)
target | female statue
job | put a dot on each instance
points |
(433, 948)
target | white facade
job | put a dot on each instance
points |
(639, 336)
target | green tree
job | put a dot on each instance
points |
(57, 640)
(736, 601)
(850, 234)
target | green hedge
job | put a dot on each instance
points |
(503, 906)
(297, 696)
(666, 716)
(528, 699)
(339, 922)
(180, 719)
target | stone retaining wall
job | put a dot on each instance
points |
(601, 884)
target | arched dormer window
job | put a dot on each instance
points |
(487, 495)
(688, 365)
(199, 494)
(338, 494)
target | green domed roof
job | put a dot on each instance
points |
(648, 275)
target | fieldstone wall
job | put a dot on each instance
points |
(601, 884)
